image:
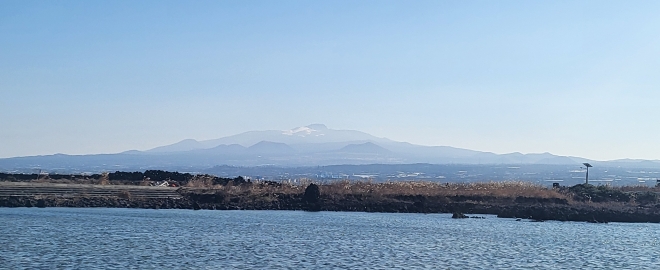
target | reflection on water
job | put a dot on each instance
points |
(166, 239)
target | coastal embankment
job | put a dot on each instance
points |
(505, 199)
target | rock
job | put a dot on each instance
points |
(41, 203)
(458, 215)
(312, 198)
(312, 194)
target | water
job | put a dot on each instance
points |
(70, 238)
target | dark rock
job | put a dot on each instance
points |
(41, 203)
(312, 194)
(458, 215)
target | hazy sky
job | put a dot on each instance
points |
(577, 78)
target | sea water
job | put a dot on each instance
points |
(102, 238)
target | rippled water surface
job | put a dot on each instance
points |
(166, 239)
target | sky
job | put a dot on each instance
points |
(577, 78)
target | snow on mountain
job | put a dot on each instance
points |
(302, 132)
(315, 133)
(311, 145)
(318, 144)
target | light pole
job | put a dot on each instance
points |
(588, 166)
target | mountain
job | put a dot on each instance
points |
(312, 145)
(312, 134)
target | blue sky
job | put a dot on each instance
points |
(568, 77)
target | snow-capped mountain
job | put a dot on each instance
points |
(312, 145)
(317, 144)
(312, 134)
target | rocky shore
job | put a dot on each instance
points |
(572, 205)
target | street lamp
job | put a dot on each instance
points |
(588, 166)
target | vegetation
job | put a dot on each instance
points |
(591, 193)
(506, 199)
(124, 178)
(240, 186)
(506, 189)
(245, 190)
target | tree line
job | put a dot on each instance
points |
(130, 178)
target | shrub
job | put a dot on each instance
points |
(646, 197)
(586, 192)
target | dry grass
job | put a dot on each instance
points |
(201, 181)
(257, 187)
(105, 179)
(507, 189)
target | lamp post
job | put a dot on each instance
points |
(587, 177)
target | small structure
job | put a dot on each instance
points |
(587, 177)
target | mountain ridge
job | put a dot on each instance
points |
(312, 145)
(314, 133)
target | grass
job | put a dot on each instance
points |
(508, 189)
(200, 181)
(345, 189)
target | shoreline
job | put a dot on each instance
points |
(321, 198)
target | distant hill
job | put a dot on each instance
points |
(270, 148)
(185, 145)
(364, 148)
